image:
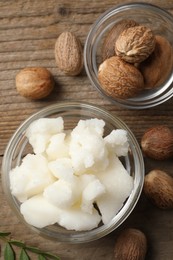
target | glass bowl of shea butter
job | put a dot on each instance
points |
(77, 165)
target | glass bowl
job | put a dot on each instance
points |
(159, 20)
(72, 112)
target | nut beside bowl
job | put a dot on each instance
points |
(150, 16)
(72, 112)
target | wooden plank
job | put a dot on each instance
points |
(28, 30)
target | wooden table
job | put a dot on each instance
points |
(28, 30)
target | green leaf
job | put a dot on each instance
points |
(24, 255)
(33, 249)
(17, 243)
(5, 234)
(39, 252)
(41, 257)
(8, 252)
(50, 256)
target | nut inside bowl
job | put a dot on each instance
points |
(150, 16)
(72, 112)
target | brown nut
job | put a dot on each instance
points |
(157, 142)
(135, 44)
(130, 245)
(68, 54)
(158, 66)
(120, 79)
(108, 49)
(158, 187)
(34, 83)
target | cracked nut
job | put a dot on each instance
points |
(158, 187)
(68, 54)
(120, 79)
(135, 44)
(130, 245)
(108, 49)
(159, 65)
(34, 83)
(157, 142)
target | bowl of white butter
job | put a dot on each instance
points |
(73, 172)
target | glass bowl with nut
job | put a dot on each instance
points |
(128, 55)
(73, 172)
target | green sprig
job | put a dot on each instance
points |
(9, 251)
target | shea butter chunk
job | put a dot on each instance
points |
(40, 131)
(38, 212)
(31, 177)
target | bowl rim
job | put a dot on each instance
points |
(131, 103)
(125, 211)
(133, 5)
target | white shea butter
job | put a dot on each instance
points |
(39, 212)
(31, 177)
(73, 178)
(40, 131)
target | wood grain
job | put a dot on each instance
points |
(28, 30)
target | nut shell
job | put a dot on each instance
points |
(159, 65)
(34, 83)
(108, 49)
(120, 79)
(157, 142)
(135, 44)
(68, 53)
(130, 245)
(158, 187)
